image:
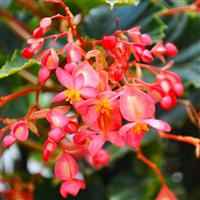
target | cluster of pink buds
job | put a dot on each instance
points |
(104, 97)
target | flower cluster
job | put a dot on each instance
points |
(104, 96)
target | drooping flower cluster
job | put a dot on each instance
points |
(104, 97)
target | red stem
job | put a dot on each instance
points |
(10, 97)
(174, 11)
(152, 165)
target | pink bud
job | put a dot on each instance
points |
(168, 101)
(37, 33)
(36, 44)
(66, 167)
(20, 130)
(27, 53)
(43, 75)
(135, 34)
(166, 85)
(56, 134)
(179, 89)
(158, 50)
(50, 59)
(50, 145)
(8, 140)
(45, 24)
(73, 53)
(109, 42)
(57, 119)
(71, 186)
(102, 158)
(146, 39)
(71, 127)
(171, 49)
(146, 56)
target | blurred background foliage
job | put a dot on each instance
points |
(126, 178)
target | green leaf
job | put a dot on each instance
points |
(16, 64)
(103, 21)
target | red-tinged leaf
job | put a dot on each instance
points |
(33, 128)
(66, 167)
(166, 194)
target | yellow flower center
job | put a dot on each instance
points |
(140, 128)
(72, 95)
(104, 107)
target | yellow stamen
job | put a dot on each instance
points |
(140, 128)
(104, 107)
(72, 95)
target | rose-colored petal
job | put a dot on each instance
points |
(116, 139)
(158, 124)
(126, 128)
(8, 140)
(96, 144)
(59, 97)
(56, 134)
(45, 23)
(88, 92)
(116, 119)
(72, 187)
(64, 78)
(73, 52)
(92, 115)
(133, 140)
(136, 105)
(78, 81)
(43, 74)
(56, 119)
(91, 78)
(66, 167)
(102, 158)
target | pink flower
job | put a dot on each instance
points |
(136, 105)
(71, 186)
(134, 132)
(103, 116)
(66, 167)
(76, 87)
